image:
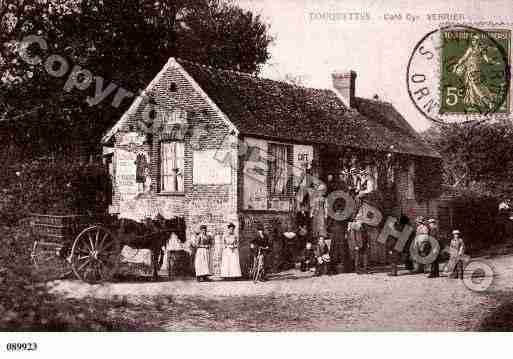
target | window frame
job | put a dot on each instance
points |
(289, 190)
(161, 182)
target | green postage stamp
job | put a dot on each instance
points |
(474, 71)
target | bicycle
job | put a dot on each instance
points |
(257, 268)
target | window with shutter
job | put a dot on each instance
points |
(279, 169)
(171, 166)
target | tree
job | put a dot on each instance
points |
(126, 42)
(476, 156)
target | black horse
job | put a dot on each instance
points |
(153, 234)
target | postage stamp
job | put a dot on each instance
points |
(472, 71)
(459, 73)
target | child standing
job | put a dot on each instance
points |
(456, 251)
(323, 257)
(308, 258)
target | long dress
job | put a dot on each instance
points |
(230, 264)
(202, 258)
(469, 67)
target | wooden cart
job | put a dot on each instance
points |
(88, 248)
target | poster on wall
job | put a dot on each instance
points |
(255, 175)
(126, 170)
(303, 157)
(208, 170)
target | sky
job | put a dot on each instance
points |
(375, 44)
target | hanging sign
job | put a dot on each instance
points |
(303, 157)
(126, 169)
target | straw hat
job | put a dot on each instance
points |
(456, 231)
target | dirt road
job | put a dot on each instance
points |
(296, 301)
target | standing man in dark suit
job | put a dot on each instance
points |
(433, 233)
(337, 229)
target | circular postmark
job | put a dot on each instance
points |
(459, 73)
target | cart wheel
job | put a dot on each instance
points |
(50, 260)
(95, 255)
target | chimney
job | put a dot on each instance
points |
(344, 84)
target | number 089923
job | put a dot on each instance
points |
(18, 347)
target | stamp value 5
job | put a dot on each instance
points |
(473, 71)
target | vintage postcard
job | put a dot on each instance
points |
(255, 166)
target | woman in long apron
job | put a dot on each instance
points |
(202, 257)
(230, 264)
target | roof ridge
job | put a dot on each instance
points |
(179, 59)
(375, 100)
(249, 75)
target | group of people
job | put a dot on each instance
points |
(315, 242)
(230, 262)
(302, 251)
(425, 247)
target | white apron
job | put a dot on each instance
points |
(230, 264)
(201, 262)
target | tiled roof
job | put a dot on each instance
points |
(281, 111)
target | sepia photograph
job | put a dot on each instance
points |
(255, 166)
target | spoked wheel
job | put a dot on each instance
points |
(259, 269)
(50, 259)
(95, 255)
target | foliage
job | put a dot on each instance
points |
(476, 215)
(53, 187)
(126, 42)
(477, 156)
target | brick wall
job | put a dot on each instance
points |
(411, 206)
(213, 205)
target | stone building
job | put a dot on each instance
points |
(216, 146)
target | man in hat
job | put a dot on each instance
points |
(260, 242)
(456, 252)
(433, 233)
(420, 243)
(359, 241)
(394, 257)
